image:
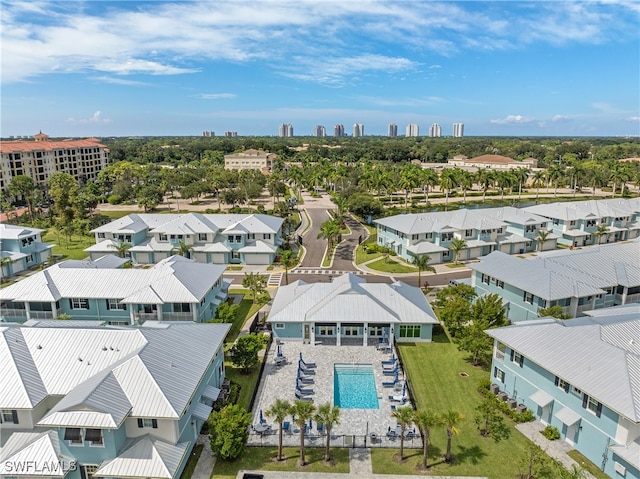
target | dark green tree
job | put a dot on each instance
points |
(244, 352)
(490, 421)
(229, 431)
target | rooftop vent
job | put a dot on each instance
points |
(40, 346)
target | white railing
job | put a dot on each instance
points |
(41, 314)
(13, 313)
(177, 316)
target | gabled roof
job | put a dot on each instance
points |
(145, 457)
(600, 356)
(108, 261)
(106, 373)
(576, 210)
(16, 232)
(173, 280)
(352, 299)
(189, 224)
(442, 221)
(43, 448)
(129, 224)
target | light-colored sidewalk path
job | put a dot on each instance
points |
(207, 460)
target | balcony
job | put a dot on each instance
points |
(142, 317)
(12, 313)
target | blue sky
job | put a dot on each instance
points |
(509, 68)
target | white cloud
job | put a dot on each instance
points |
(215, 96)
(513, 120)
(434, 66)
(95, 119)
(118, 81)
(635, 119)
(560, 118)
(424, 101)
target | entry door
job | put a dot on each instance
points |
(307, 332)
(570, 436)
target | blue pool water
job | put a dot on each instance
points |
(354, 386)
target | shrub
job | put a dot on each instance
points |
(551, 433)
(114, 199)
(234, 393)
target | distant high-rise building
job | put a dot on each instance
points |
(435, 131)
(393, 130)
(338, 130)
(286, 130)
(230, 134)
(319, 131)
(358, 129)
(412, 130)
(208, 134)
(458, 130)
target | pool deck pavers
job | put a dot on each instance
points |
(279, 382)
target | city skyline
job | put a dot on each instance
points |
(154, 68)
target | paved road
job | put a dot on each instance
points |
(314, 247)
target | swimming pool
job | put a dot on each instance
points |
(354, 386)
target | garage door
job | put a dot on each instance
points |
(257, 258)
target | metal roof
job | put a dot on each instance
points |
(541, 398)
(630, 452)
(351, 299)
(42, 447)
(567, 416)
(600, 356)
(202, 411)
(145, 457)
(417, 223)
(8, 231)
(258, 247)
(108, 261)
(585, 209)
(173, 280)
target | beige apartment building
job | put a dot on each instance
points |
(39, 159)
(251, 159)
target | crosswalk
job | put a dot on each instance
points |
(274, 280)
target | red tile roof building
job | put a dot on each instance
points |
(39, 159)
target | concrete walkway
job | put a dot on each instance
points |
(207, 460)
(557, 449)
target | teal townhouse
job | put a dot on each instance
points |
(82, 400)
(582, 223)
(580, 376)
(577, 280)
(206, 238)
(350, 311)
(483, 230)
(175, 289)
(21, 248)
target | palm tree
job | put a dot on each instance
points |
(426, 419)
(504, 179)
(485, 179)
(554, 173)
(521, 175)
(457, 245)
(404, 416)
(4, 261)
(328, 416)
(121, 248)
(183, 249)
(279, 410)
(422, 263)
(451, 419)
(541, 237)
(302, 411)
(287, 259)
(428, 179)
(447, 183)
(465, 180)
(329, 230)
(600, 232)
(538, 181)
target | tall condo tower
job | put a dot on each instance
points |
(319, 131)
(435, 131)
(412, 130)
(358, 129)
(458, 130)
(286, 130)
(393, 130)
(338, 130)
(230, 134)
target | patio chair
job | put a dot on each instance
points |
(389, 384)
(308, 365)
(386, 362)
(308, 372)
(399, 398)
(280, 360)
(304, 380)
(304, 391)
(387, 367)
(391, 433)
(390, 372)
(320, 427)
(286, 426)
(303, 398)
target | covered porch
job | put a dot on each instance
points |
(347, 333)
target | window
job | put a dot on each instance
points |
(517, 358)
(527, 297)
(468, 233)
(592, 405)
(251, 236)
(562, 384)
(326, 330)
(576, 391)
(238, 239)
(79, 303)
(498, 374)
(181, 307)
(163, 237)
(94, 436)
(235, 255)
(147, 423)
(410, 331)
(202, 236)
(279, 325)
(267, 236)
(114, 305)
(73, 435)
(501, 349)
(351, 330)
(376, 330)
(486, 279)
(230, 238)
(101, 235)
(9, 416)
(446, 236)
(500, 284)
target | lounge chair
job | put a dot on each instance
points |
(390, 372)
(391, 434)
(387, 367)
(280, 360)
(389, 384)
(320, 427)
(308, 365)
(286, 426)
(308, 372)
(305, 391)
(400, 398)
(303, 380)
(389, 361)
(303, 398)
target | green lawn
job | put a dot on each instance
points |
(391, 266)
(433, 369)
(247, 382)
(263, 458)
(69, 248)
(587, 464)
(191, 463)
